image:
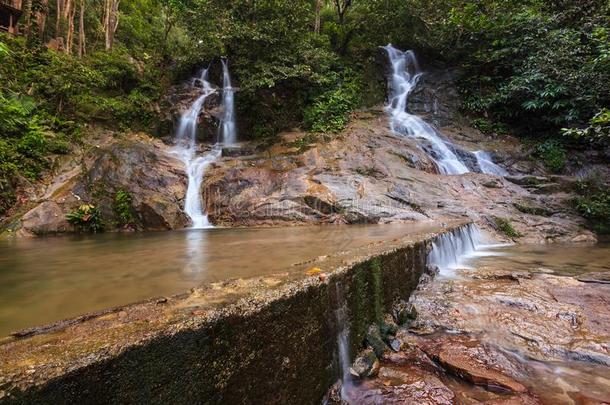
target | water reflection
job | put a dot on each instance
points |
(196, 254)
(44, 280)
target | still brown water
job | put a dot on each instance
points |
(46, 280)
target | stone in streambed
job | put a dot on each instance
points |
(460, 364)
(404, 312)
(366, 365)
(388, 327)
(602, 277)
(375, 341)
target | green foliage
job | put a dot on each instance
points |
(330, 110)
(597, 133)
(535, 65)
(123, 208)
(553, 155)
(87, 217)
(593, 202)
(506, 227)
(487, 127)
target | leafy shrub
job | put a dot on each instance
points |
(597, 133)
(123, 208)
(488, 127)
(593, 202)
(87, 217)
(330, 110)
(553, 155)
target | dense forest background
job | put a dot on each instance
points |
(535, 69)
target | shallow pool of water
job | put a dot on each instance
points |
(46, 280)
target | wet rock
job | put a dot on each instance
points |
(464, 365)
(526, 180)
(46, 218)
(388, 327)
(395, 344)
(236, 151)
(366, 365)
(596, 277)
(375, 341)
(404, 312)
(492, 184)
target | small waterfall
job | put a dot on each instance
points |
(487, 165)
(228, 129)
(186, 149)
(451, 248)
(405, 75)
(343, 343)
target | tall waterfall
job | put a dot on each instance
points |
(228, 129)
(186, 149)
(405, 75)
(487, 165)
(450, 249)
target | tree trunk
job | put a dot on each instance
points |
(316, 27)
(70, 34)
(58, 11)
(111, 21)
(41, 17)
(81, 30)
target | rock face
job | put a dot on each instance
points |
(138, 165)
(366, 174)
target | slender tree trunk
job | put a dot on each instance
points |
(41, 17)
(58, 12)
(81, 30)
(111, 21)
(70, 34)
(316, 27)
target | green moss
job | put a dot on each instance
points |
(527, 209)
(506, 227)
(376, 281)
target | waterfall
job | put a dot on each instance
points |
(405, 75)
(343, 343)
(451, 248)
(228, 130)
(186, 149)
(487, 165)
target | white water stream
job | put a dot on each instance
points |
(186, 144)
(405, 75)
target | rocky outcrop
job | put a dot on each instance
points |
(138, 165)
(366, 174)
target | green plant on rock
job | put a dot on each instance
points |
(504, 225)
(123, 208)
(86, 217)
(593, 202)
(553, 155)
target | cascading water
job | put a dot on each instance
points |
(228, 129)
(487, 165)
(405, 75)
(186, 149)
(450, 249)
(343, 344)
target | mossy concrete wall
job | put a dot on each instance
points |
(281, 350)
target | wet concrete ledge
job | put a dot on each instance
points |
(265, 340)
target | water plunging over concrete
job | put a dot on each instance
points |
(450, 249)
(186, 148)
(405, 75)
(343, 343)
(487, 165)
(228, 129)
